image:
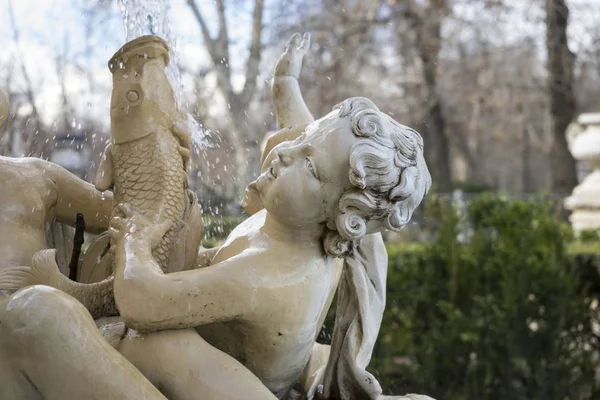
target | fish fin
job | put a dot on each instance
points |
(44, 271)
(104, 176)
(185, 154)
(182, 133)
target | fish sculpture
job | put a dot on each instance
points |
(146, 162)
(145, 165)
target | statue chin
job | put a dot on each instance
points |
(251, 203)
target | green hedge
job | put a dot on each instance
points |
(217, 228)
(505, 315)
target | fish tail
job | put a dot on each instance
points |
(43, 271)
(98, 297)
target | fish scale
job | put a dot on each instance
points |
(150, 176)
(155, 159)
(145, 165)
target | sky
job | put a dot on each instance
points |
(51, 29)
(57, 28)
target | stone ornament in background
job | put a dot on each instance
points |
(241, 322)
(583, 138)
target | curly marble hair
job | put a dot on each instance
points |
(388, 172)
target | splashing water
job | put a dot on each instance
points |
(151, 17)
(200, 135)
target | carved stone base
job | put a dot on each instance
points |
(585, 204)
(583, 137)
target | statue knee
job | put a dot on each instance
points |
(34, 311)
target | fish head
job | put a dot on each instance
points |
(142, 97)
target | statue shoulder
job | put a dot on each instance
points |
(26, 170)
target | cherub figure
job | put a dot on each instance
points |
(244, 327)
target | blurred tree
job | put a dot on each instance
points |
(28, 137)
(562, 98)
(244, 141)
(424, 20)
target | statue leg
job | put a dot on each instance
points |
(186, 367)
(50, 343)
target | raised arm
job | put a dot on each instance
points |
(290, 108)
(149, 300)
(74, 195)
(291, 113)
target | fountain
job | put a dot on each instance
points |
(152, 315)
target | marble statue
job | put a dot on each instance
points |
(241, 322)
(145, 164)
(147, 160)
(583, 138)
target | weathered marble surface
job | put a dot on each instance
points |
(241, 322)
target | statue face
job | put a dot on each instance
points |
(306, 178)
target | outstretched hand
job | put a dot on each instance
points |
(290, 62)
(136, 225)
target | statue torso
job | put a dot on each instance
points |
(294, 285)
(25, 210)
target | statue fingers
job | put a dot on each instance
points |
(125, 209)
(15, 278)
(163, 227)
(114, 234)
(305, 45)
(117, 223)
(293, 42)
(162, 220)
(158, 231)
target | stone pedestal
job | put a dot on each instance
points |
(584, 144)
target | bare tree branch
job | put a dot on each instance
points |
(238, 103)
(255, 50)
(205, 33)
(562, 97)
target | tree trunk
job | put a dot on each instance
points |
(243, 141)
(436, 147)
(426, 20)
(562, 98)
